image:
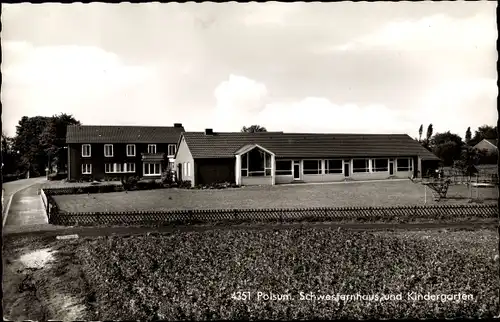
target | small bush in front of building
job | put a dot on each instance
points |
(167, 177)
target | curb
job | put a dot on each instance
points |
(6, 210)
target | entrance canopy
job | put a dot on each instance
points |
(253, 160)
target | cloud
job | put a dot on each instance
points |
(70, 65)
(238, 98)
(436, 32)
(49, 80)
(269, 13)
(243, 101)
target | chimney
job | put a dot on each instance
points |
(209, 132)
(177, 124)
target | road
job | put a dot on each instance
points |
(26, 207)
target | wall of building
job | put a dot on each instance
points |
(184, 156)
(360, 176)
(253, 181)
(98, 160)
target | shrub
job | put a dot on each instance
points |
(185, 184)
(167, 177)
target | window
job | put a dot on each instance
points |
(284, 168)
(312, 167)
(118, 167)
(108, 167)
(152, 169)
(130, 167)
(360, 165)
(108, 150)
(172, 149)
(188, 170)
(404, 164)
(380, 165)
(244, 165)
(85, 150)
(256, 163)
(87, 168)
(151, 148)
(333, 166)
(131, 150)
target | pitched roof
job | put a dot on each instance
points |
(123, 134)
(306, 145)
(492, 141)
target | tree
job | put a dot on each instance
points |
(39, 137)
(420, 131)
(253, 129)
(484, 132)
(9, 156)
(429, 132)
(468, 135)
(427, 141)
(53, 139)
(469, 158)
(447, 146)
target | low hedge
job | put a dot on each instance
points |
(83, 190)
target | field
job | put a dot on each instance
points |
(197, 275)
(290, 196)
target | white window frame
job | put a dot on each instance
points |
(108, 168)
(188, 170)
(86, 168)
(327, 166)
(319, 169)
(168, 149)
(133, 148)
(107, 155)
(244, 168)
(366, 168)
(405, 169)
(268, 167)
(118, 168)
(129, 165)
(83, 151)
(151, 165)
(280, 172)
(375, 169)
(151, 147)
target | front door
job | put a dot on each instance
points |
(296, 170)
(347, 171)
(391, 168)
(179, 172)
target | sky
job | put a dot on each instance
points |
(344, 67)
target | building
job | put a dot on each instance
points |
(487, 145)
(273, 158)
(111, 152)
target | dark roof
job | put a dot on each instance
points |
(306, 145)
(123, 134)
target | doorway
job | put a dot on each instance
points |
(296, 170)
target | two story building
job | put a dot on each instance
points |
(110, 152)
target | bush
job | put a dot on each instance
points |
(130, 183)
(184, 184)
(167, 177)
(217, 185)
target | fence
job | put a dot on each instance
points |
(317, 214)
